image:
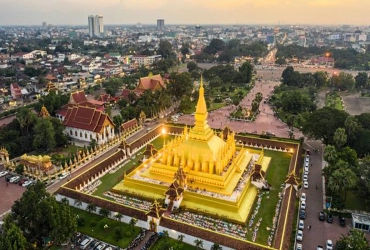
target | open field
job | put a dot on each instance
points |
(334, 100)
(355, 105)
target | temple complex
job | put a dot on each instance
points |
(200, 169)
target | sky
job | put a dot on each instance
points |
(273, 12)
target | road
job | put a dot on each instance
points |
(320, 230)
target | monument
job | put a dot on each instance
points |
(201, 170)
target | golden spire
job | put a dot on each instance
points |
(201, 105)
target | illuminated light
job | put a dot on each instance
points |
(163, 131)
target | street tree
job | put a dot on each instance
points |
(90, 208)
(321, 78)
(352, 126)
(364, 180)
(216, 246)
(198, 243)
(354, 240)
(322, 124)
(133, 222)
(330, 154)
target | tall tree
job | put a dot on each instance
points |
(321, 78)
(340, 137)
(355, 240)
(26, 118)
(330, 154)
(322, 123)
(41, 216)
(361, 80)
(246, 70)
(44, 134)
(12, 237)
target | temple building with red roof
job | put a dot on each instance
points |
(151, 82)
(87, 124)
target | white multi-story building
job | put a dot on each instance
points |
(146, 60)
(96, 25)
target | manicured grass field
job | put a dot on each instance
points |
(94, 227)
(171, 242)
(110, 180)
(276, 175)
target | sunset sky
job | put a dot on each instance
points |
(30, 12)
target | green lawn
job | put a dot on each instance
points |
(276, 175)
(94, 227)
(110, 180)
(161, 242)
(334, 100)
(354, 202)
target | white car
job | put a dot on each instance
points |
(26, 183)
(305, 184)
(299, 247)
(306, 169)
(329, 245)
(306, 172)
(13, 179)
(303, 197)
(305, 177)
(301, 225)
(3, 173)
(300, 235)
(64, 175)
(307, 158)
(303, 205)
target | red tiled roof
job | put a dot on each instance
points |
(78, 97)
(50, 77)
(86, 118)
(129, 124)
(15, 85)
(150, 83)
(104, 97)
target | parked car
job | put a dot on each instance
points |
(342, 221)
(300, 235)
(299, 247)
(8, 177)
(101, 246)
(303, 205)
(303, 197)
(14, 178)
(302, 214)
(305, 177)
(321, 216)
(20, 183)
(305, 184)
(27, 183)
(301, 224)
(3, 173)
(16, 181)
(329, 218)
(329, 245)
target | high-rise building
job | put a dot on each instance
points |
(96, 25)
(197, 30)
(302, 41)
(44, 25)
(160, 24)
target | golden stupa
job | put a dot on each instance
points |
(217, 180)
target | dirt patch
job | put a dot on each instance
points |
(355, 105)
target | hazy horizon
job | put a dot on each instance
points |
(191, 12)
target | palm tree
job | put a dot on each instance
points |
(133, 222)
(340, 137)
(78, 203)
(165, 235)
(91, 208)
(198, 243)
(330, 154)
(65, 201)
(104, 212)
(216, 246)
(180, 238)
(118, 216)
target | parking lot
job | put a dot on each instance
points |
(9, 192)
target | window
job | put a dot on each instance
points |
(70, 132)
(85, 135)
(75, 133)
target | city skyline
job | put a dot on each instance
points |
(68, 12)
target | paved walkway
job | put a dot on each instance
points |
(265, 122)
